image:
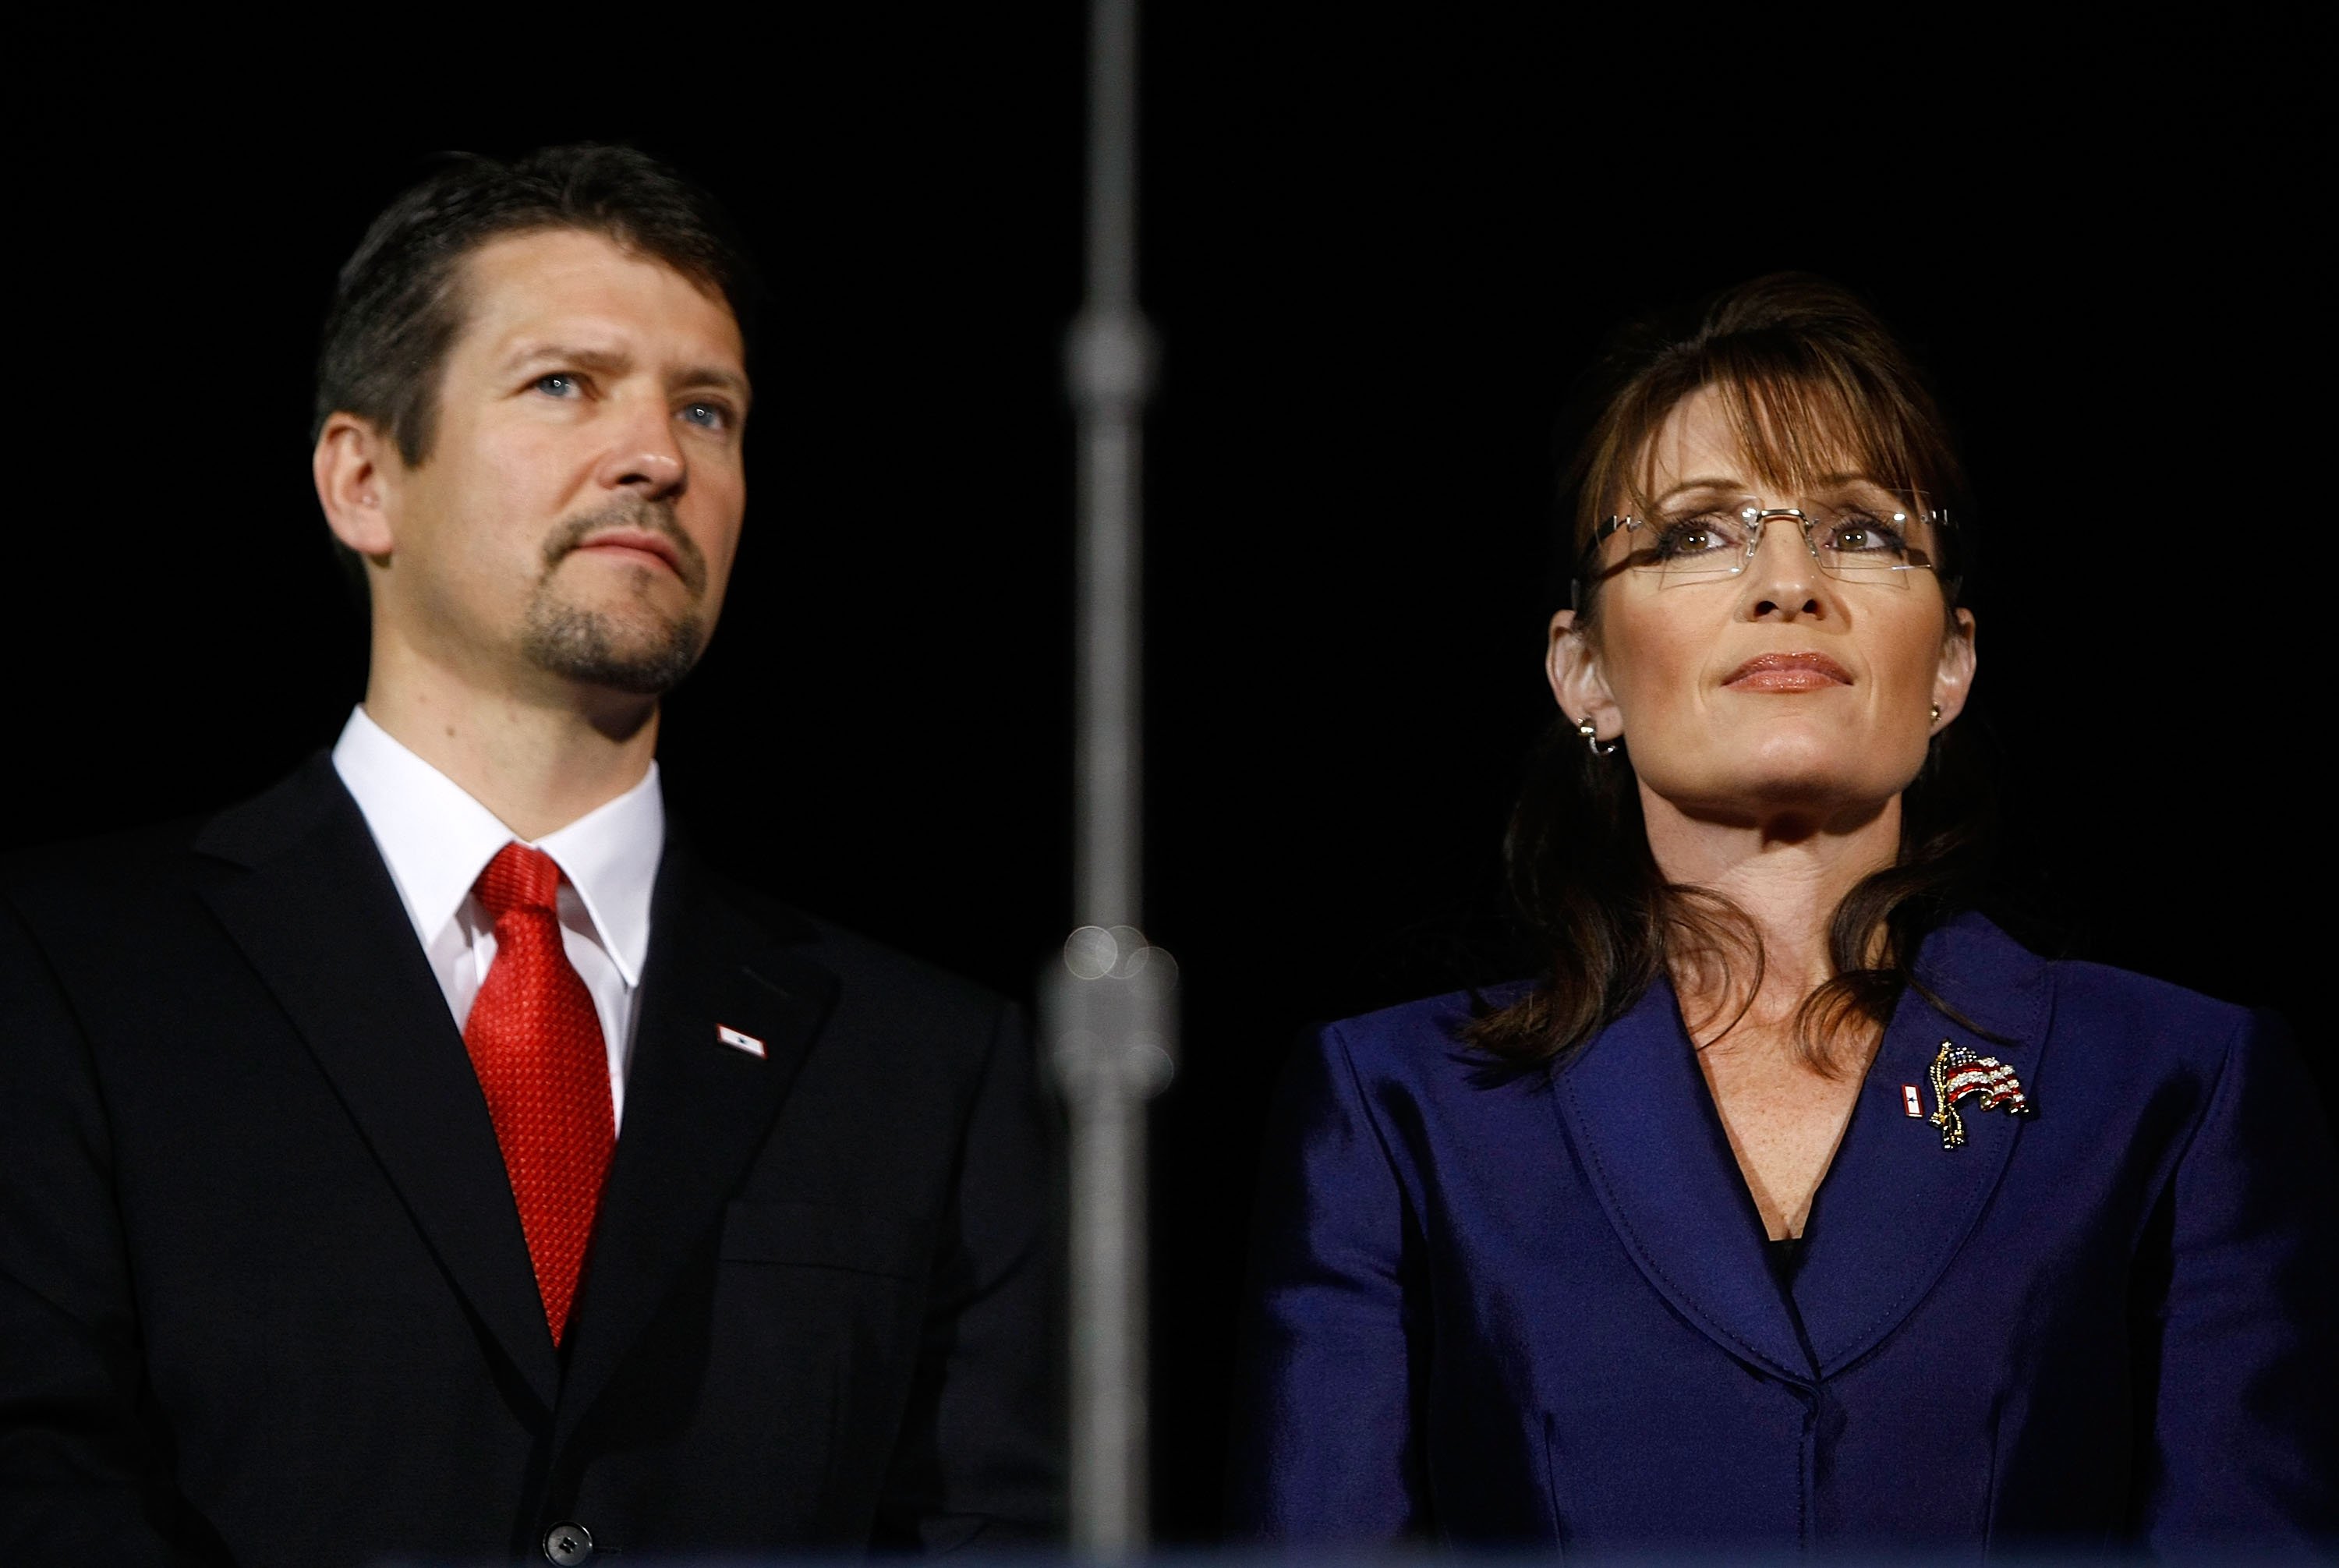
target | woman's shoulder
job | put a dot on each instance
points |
(1408, 1036)
(2085, 1007)
(2091, 992)
(2135, 1026)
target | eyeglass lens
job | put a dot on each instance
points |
(1857, 542)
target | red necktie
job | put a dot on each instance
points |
(536, 1043)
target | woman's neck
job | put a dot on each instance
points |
(1786, 871)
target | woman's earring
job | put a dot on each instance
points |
(1591, 734)
(1936, 713)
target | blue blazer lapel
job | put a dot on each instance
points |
(1896, 1205)
(1642, 1123)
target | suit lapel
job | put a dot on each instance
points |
(1637, 1109)
(1896, 1205)
(316, 913)
(699, 1106)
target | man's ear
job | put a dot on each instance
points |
(355, 466)
(1953, 682)
(1572, 664)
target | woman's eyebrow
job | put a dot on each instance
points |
(1702, 483)
(1824, 481)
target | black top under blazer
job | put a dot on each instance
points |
(264, 1297)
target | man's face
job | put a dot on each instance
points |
(575, 520)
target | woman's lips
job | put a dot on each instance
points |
(1788, 672)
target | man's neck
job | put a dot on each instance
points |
(539, 760)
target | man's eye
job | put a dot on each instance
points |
(707, 416)
(559, 384)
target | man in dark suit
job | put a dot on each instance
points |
(434, 1156)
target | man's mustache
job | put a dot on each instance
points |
(631, 512)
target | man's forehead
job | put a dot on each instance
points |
(567, 289)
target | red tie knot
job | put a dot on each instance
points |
(520, 878)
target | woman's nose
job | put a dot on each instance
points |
(1783, 578)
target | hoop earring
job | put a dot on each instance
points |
(1591, 734)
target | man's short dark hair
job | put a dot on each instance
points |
(399, 306)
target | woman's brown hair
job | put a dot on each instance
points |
(1813, 382)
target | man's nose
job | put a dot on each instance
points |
(645, 458)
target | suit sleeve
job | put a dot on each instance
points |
(980, 1458)
(2243, 1341)
(80, 1479)
(1324, 1445)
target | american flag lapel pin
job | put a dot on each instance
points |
(1958, 1072)
(738, 1041)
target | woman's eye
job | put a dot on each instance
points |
(707, 416)
(559, 384)
(1866, 536)
(1692, 537)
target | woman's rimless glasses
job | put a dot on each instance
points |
(1880, 543)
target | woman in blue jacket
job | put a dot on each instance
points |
(1789, 1208)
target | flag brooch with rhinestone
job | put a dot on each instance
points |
(1958, 1071)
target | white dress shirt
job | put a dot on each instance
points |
(437, 840)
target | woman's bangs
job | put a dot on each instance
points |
(1801, 427)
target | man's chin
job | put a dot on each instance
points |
(646, 655)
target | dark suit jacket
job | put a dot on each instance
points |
(263, 1293)
(1539, 1310)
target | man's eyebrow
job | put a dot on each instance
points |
(714, 376)
(615, 359)
(541, 349)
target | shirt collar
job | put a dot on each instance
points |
(610, 856)
(437, 838)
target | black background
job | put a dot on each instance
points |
(1377, 252)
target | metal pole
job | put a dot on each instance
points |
(1108, 999)
(1108, 371)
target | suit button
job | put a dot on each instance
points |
(568, 1545)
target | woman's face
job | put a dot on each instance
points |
(1783, 689)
